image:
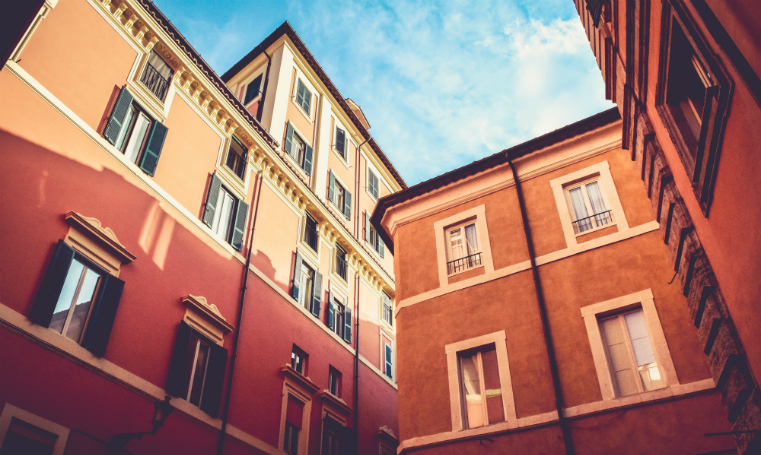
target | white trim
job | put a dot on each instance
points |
(10, 412)
(482, 230)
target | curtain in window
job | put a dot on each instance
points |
(470, 236)
(471, 386)
(595, 198)
(643, 351)
(577, 200)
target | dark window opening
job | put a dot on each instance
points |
(236, 158)
(253, 89)
(157, 76)
(299, 360)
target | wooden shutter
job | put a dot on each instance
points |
(308, 159)
(347, 203)
(381, 246)
(330, 310)
(239, 228)
(211, 200)
(316, 294)
(341, 141)
(176, 377)
(332, 187)
(347, 324)
(118, 113)
(367, 226)
(215, 377)
(296, 276)
(52, 283)
(103, 314)
(150, 158)
(289, 139)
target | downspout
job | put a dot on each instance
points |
(228, 392)
(357, 185)
(543, 312)
(260, 109)
(356, 299)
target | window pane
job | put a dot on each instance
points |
(595, 198)
(643, 351)
(190, 358)
(455, 238)
(82, 306)
(494, 408)
(471, 238)
(125, 128)
(221, 224)
(618, 355)
(63, 305)
(160, 65)
(471, 387)
(577, 200)
(199, 373)
(136, 138)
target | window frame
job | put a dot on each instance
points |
(370, 172)
(145, 65)
(243, 158)
(334, 268)
(453, 352)
(440, 227)
(305, 229)
(592, 314)
(246, 86)
(335, 379)
(702, 169)
(582, 185)
(297, 351)
(343, 154)
(130, 130)
(11, 412)
(197, 340)
(383, 309)
(386, 361)
(450, 253)
(88, 265)
(300, 83)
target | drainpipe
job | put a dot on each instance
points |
(357, 185)
(260, 109)
(228, 392)
(543, 312)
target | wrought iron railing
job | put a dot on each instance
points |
(154, 81)
(341, 267)
(586, 224)
(468, 262)
(310, 237)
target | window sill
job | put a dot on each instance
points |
(297, 167)
(307, 250)
(343, 160)
(340, 210)
(340, 280)
(150, 102)
(304, 382)
(301, 109)
(598, 228)
(463, 271)
(254, 100)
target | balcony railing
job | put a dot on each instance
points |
(586, 224)
(310, 237)
(468, 262)
(341, 267)
(154, 81)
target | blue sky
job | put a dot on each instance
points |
(442, 83)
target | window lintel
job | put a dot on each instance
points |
(99, 244)
(302, 383)
(206, 318)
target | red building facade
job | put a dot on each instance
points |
(172, 240)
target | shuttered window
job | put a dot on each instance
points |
(253, 89)
(306, 286)
(298, 149)
(388, 360)
(77, 300)
(294, 415)
(340, 143)
(135, 133)
(372, 237)
(339, 196)
(225, 214)
(303, 97)
(373, 184)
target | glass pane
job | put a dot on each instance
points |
(306, 285)
(136, 138)
(199, 374)
(643, 352)
(160, 65)
(494, 407)
(63, 305)
(472, 238)
(471, 387)
(190, 357)
(595, 198)
(82, 306)
(579, 208)
(125, 128)
(618, 356)
(223, 214)
(651, 377)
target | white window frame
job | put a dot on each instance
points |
(302, 293)
(80, 281)
(560, 187)
(312, 92)
(345, 189)
(592, 315)
(482, 231)
(334, 266)
(372, 170)
(307, 250)
(10, 412)
(201, 340)
(498, 339)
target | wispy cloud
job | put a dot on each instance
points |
(442, 82)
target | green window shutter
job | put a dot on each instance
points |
(316, 294)
(381, 246)
(150, 158)
(211, 200)
(308, 152)
(296, 276)
(332, 188)
(103, 315)
(214, 380)
(373, 184)
(330, 310)
(341, 141)
(239, 228)
(347, 324)
(347, 204)
(52, 284)
(118, 113)
(176, 377)
(289, 139)
(367, 226)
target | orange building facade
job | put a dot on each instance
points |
(685, 77)
(181, 235)
(538, 314)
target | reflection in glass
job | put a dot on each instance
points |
(471, 385)
(75, 301)
(82, 306)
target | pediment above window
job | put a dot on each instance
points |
(99, 244)
(206, 318)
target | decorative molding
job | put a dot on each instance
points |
(11, 412)
(206, 318)
(305, 385)
(338, 405)
(105, 235)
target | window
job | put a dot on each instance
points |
(630, 354)
(197, 370)
(294, 415)
(388, 360)
(135, 133)
(299, 360)
(77, 299)
(340, 263)
(311, 237)
(331, 438)
(587, 206)
(479, 378)
(23, 433)
(236, 158)
(225, 214)
(372, 237)
(339, 317)
(693, 96)
(339, 196)
(463, 250)
(298, 149)
(340, 143)
(157, 75)
(388, 310)
(373, 184)
(628, 346)
(253, 89)
(303, 97)
(306, 285)
(334, 382)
